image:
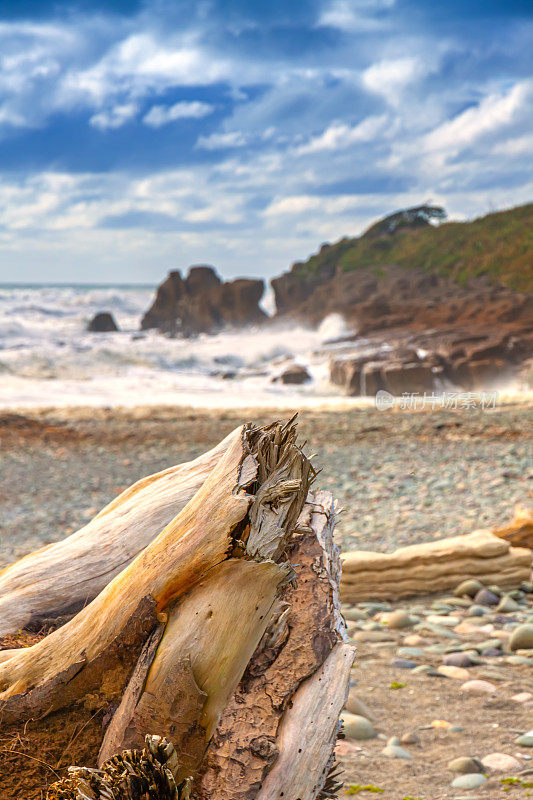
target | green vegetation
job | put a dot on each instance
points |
(499, 245)
(355, 788)
(508, 782)
(396, 685)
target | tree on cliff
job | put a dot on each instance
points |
(415, 217)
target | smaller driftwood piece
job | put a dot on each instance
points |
(218, 651)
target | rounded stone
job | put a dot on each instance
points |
(486, 598)
(372, 636)
(357, 727)
(478, 687)
(476, 611)
(507, 605)
(526, 740)
(411, 737)
(410, 652)
(522, 637)
(449, 671)
(466, 765)
(354, 705)
(522, 697)
(457, 660)
(399, 619)
(447, 621)
(469, 781)
(395, 751)
(501, 762)
(354, 614)
(469, 588)
(403, 663)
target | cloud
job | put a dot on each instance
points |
(162, 115)
(339, 136)
(221, 141)
(491, 114)
(355, 15)
(390, 77)
(305, 121)
(145, 62)
(115, 117)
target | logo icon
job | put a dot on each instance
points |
(384, 400)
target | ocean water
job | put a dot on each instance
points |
(48, 358)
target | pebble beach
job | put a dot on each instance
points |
(401, 477)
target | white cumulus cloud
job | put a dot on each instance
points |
(221, 141)
(339, 135)
(162, 115)
(115, 117)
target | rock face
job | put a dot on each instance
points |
(202, 303)
(405, 361)
(102, 323)
(433, 567)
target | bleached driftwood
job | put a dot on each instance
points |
(71, 572)
(518, 532)
(224, 633)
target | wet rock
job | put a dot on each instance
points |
(296, 374)
(103, 322)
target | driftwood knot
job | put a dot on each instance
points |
(264, 747)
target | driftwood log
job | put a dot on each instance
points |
(222, 633)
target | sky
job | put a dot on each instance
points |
(138, 137)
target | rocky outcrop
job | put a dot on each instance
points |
(295, 374)
(102, 323)
(402, 361)
(202, 303)
(433, 567)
